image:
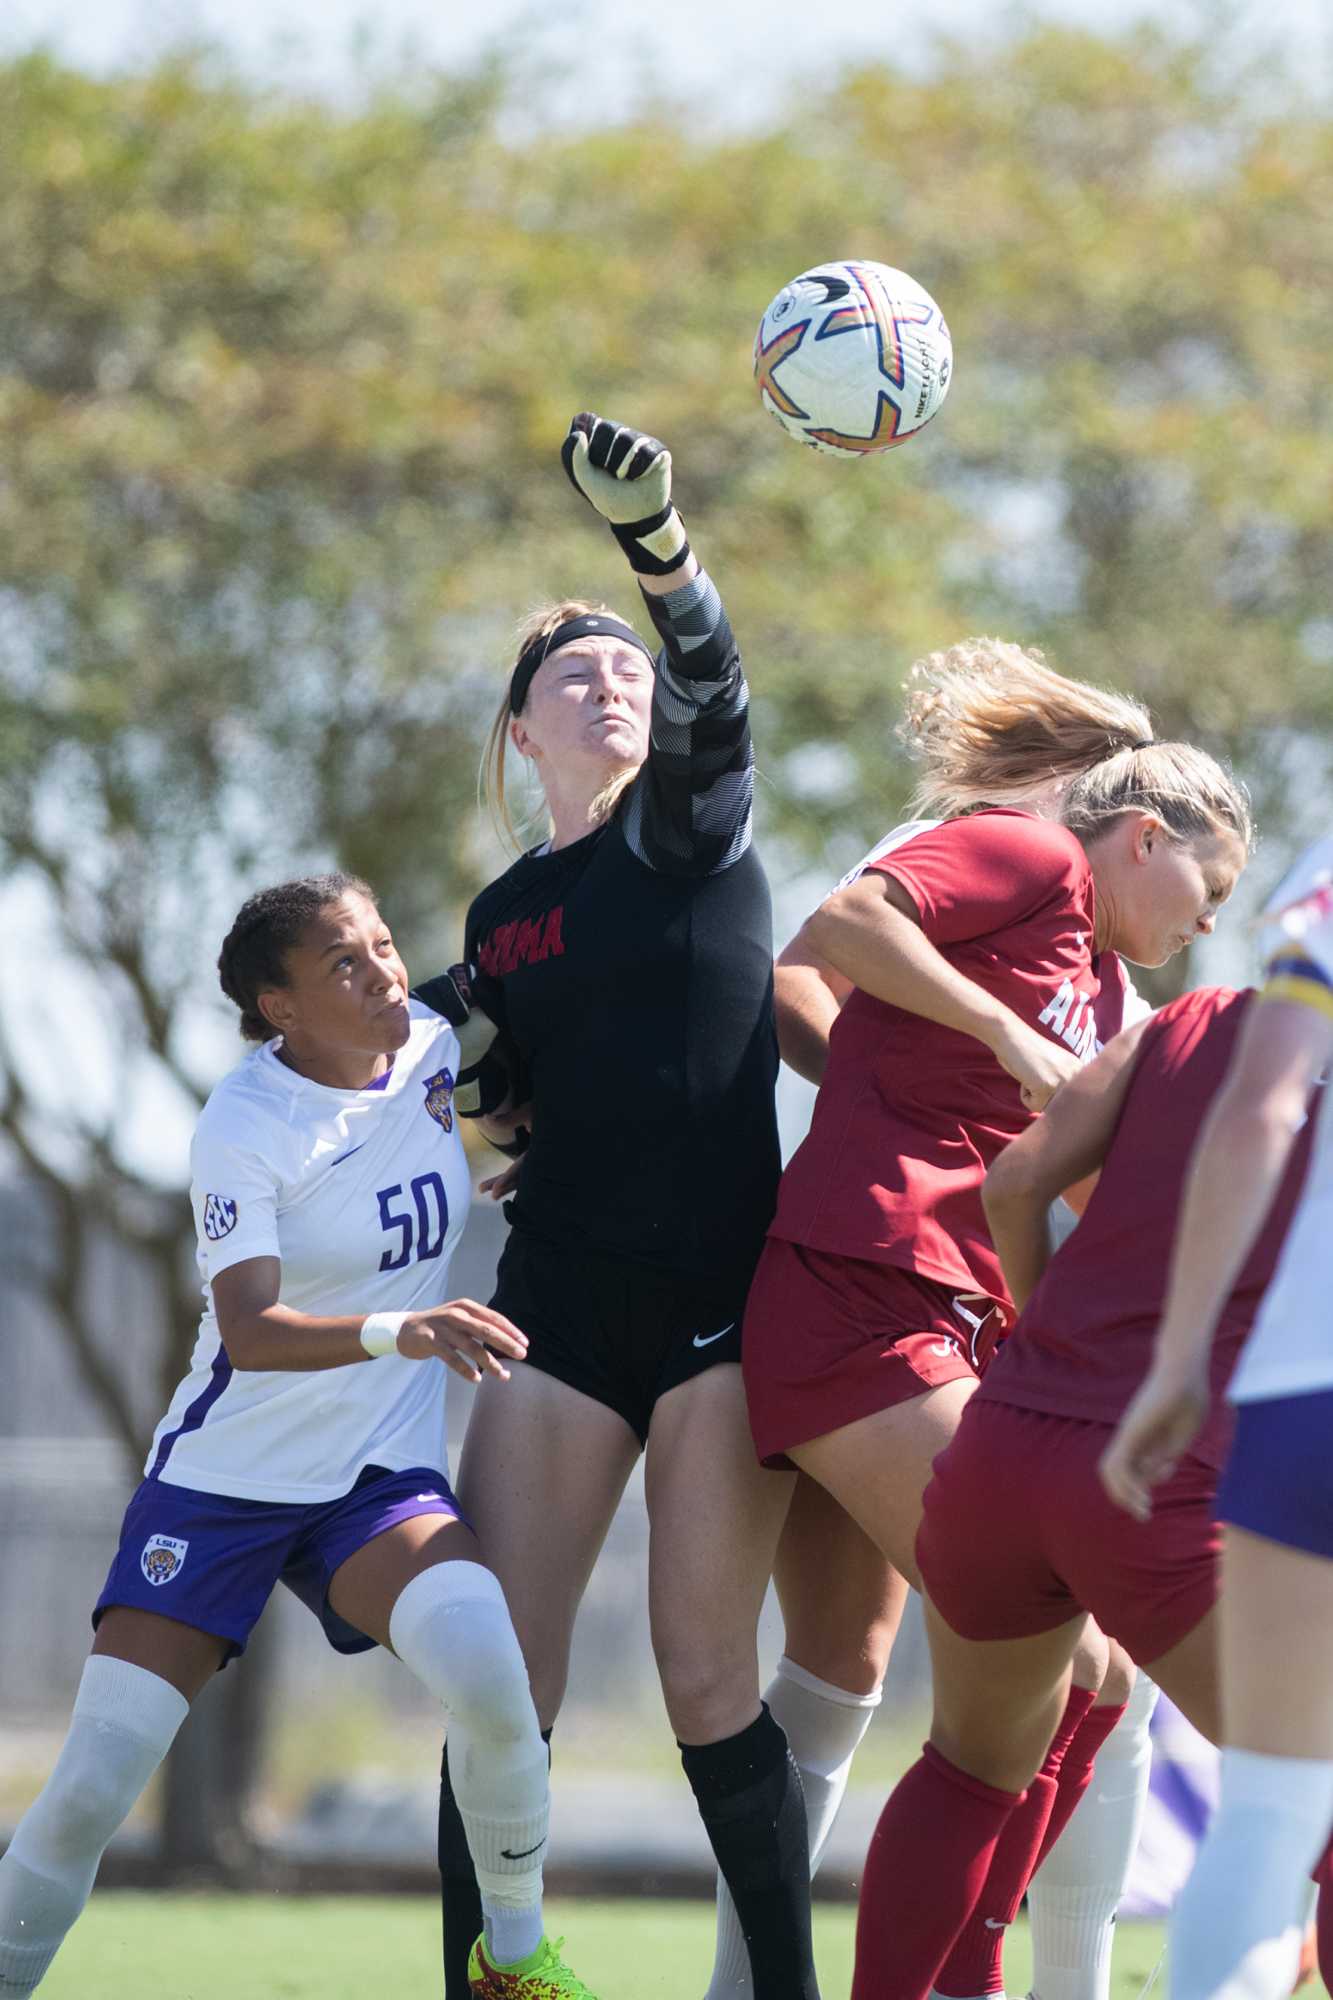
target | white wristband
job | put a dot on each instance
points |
(379, 1332)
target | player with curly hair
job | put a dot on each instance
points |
(306, 1444)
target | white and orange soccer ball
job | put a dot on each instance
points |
(853, 358)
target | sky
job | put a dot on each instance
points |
(737, 58)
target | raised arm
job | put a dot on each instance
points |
(690, 811)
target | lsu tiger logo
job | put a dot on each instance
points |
(163, 1558)
(439, 1091)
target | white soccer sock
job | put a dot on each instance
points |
(823, 1724)
(1073, 1897)
(1236, 1931)
(452, 1627)
(123, 1723)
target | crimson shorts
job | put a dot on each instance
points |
(1019, 1536)
(830, 1339)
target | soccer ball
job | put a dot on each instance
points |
(853, 358)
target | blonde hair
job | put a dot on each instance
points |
(992, 724)
(517, 830)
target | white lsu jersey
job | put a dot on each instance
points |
(362, 1195)
(1290, 1352)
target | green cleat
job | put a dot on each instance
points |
(543, 1976)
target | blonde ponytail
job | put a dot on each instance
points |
(990, 722)
(1186, 789)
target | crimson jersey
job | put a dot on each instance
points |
(911, 1114)
(1084, 1340)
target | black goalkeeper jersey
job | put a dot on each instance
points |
(634, 972)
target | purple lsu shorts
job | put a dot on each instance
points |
(1278, 1481)
(211, 1561)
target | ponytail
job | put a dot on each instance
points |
(990, 722)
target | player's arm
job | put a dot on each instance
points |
(690, 811)
(1134, 1011)
(492, 1087)
(1237, 1165)
(870, 932)
(260, 1334)
(808, 996)
(1061, 1148)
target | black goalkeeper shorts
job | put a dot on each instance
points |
(620, 1332)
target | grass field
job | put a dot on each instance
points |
(180, 1947)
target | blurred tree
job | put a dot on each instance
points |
(281, 388)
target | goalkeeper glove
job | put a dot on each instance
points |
(626, 476)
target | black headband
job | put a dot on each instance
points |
(589, 624)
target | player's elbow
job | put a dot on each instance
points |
(824, 933)
(1015, 1186)
(1246, 1125)
(242, 1341)
(804, 1012)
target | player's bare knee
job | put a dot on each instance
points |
(1091, 1659)
(854, 1660)
(708, 1695)
(1009, 1760)
(1118, 1680)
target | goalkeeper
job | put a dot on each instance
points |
(628, 956)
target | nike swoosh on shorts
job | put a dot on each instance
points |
(706, 1340)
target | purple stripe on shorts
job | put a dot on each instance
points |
(219, 1377)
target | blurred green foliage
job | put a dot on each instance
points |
(283, 386)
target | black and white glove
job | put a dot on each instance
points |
(487, 1065)
(626, 476)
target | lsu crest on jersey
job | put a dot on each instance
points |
(439, 1095)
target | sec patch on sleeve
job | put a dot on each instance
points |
(219, 1216)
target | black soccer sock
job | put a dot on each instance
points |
(748, 1791)
(460, 1899)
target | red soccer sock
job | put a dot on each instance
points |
(927, 1865)
(1074, 1773)
(975, 1965)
